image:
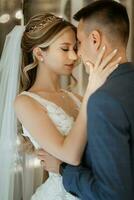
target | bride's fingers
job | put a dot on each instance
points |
(106, 60)
(40, 157)
(90, 66)
(40, 153)
(99, 57)
(108, 72)
(112, 66)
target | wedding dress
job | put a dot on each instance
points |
(52, 188)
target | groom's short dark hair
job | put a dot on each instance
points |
(109, 14)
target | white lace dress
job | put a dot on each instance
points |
(52, 188)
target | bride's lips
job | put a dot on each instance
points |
(69, 66)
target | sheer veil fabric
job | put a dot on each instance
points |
(9, 83)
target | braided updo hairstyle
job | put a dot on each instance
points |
(40, 31)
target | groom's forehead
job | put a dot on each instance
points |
(81, 24)
(80, 29)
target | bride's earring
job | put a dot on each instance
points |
(42, 60)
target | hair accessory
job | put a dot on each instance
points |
(49, 20)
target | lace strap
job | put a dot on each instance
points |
(39, 99)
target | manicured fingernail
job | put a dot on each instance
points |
(119, 58)
(88, 63)
(115, 51)
(104, 47)
(116, 65)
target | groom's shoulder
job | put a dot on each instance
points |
(109, 91)
(99, 96)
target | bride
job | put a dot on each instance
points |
(54, 119)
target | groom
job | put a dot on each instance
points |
(107, 168)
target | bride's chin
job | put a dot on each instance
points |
(67, 72)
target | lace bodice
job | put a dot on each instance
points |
(59, 117)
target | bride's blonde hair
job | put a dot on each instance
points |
(40, 31)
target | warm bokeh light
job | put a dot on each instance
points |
(4, 18)
(19, 14)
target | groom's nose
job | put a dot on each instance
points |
(79, 52)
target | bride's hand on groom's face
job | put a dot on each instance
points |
(102, 68)
(49, 163)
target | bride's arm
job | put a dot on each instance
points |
(37, 122)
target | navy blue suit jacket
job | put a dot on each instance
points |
(107, 168)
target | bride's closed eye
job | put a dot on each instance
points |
(65, 49)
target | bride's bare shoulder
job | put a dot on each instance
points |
(22, 102)
(20, 99)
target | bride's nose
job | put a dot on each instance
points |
(72, 55)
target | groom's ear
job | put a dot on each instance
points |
(95, 39)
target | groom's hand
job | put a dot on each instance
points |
(50, 163)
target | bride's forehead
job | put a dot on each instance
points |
(66, 37)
